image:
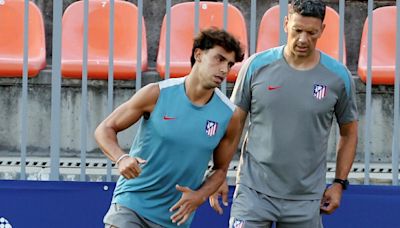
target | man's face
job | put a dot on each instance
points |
(214, 65)
(303, 33)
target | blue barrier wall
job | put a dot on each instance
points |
(59, 204)
(48, 204)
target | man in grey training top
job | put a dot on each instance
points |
(292, 93)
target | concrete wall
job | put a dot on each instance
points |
(39, 103)
(39, 117)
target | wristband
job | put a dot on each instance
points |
(120, 158)
(344, 183)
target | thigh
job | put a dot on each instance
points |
(250, 209)
(315, 223)
(300, 214)
(121, 217)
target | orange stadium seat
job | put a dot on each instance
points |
(383, 47)
(182, 34)
(125, 40)
(268, 34)
(12, 39)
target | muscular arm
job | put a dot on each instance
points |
(345, 156)
(223, 154)
(223, 190)
(123, 117)
(346, 149)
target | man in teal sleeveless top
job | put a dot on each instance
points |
(186, 121)
(292, 94)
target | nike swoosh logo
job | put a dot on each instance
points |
(273, 87)
(168, 118)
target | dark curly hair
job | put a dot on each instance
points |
(211, 37)
(309, 8)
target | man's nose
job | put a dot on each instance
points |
(303, 37)
(225, 68)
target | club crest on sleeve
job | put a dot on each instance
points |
(211, 127)
(320, 91)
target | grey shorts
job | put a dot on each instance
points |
(252, 209)
(122, 217)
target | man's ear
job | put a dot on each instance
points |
(323, 28)
(197, 54)
(285, 23)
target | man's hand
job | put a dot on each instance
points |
(188, 203)
(213, 199)
(331, 198)
(129, 167)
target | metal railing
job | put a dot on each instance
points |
(56, 82)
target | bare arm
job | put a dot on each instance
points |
(346, 149)
(121, 118)
(223, 154)
(345, 157)
(223, 189)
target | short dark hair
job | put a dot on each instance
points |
(308, 8)
(211, 37)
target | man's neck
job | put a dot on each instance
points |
(302, 63)
(195, 91)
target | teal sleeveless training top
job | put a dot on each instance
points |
(177, 141)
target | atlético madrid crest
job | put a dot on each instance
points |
(238, 223)
(211, 127)
(320, 91)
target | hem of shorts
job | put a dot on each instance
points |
(285, 197)
(137, 212)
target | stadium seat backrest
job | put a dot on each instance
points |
(125, 40)
(182, 34)
(12, 39)
(383, 47)
(268, 34)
